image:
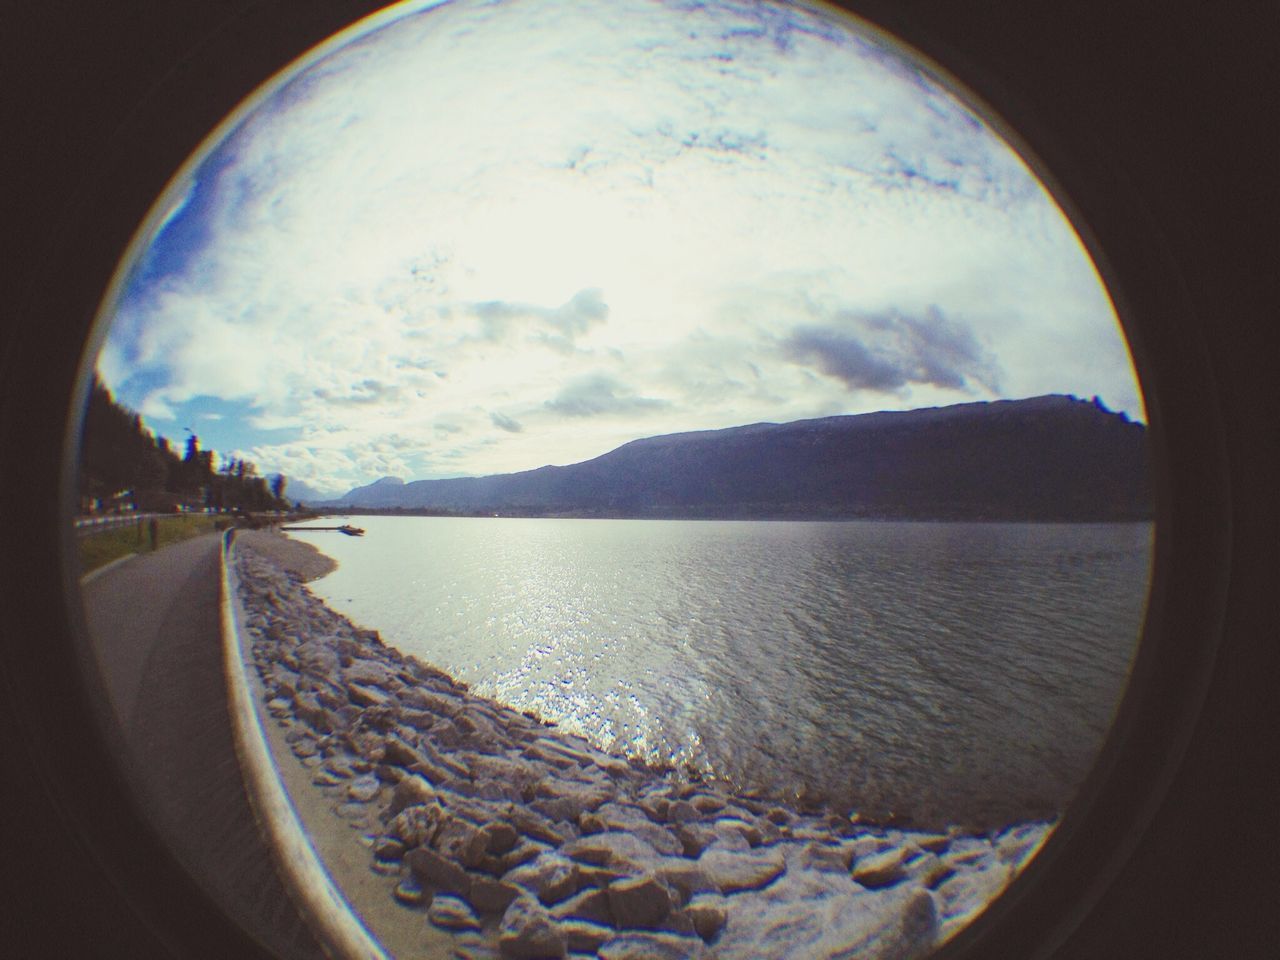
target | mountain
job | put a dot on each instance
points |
(298, 491)
(1050, 458)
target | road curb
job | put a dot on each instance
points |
(319, 900)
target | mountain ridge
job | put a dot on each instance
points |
(1053, 457)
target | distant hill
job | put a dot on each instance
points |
(1051, 458)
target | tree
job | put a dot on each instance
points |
(277, 487)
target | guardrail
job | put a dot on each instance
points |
(318, 899)
(88, 525)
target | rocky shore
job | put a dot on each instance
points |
(518, 840)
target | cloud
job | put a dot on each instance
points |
(886, 352)
(747, 209)
(503, 422)
(600, 394)
(554, 326)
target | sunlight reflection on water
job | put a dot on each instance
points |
(918, 668)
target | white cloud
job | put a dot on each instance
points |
(490, 215)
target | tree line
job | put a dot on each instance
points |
(121, 461)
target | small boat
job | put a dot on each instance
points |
(351, 531)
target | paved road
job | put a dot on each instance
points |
(154, 624)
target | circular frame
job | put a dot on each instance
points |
(151, 84)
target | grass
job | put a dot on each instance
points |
(98, 549)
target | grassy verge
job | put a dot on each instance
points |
(99, 549)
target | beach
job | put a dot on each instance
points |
(455, 823)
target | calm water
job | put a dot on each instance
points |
(941, 672)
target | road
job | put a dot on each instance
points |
(154, 623)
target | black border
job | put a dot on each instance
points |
(1153, 120)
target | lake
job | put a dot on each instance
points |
(935, 672)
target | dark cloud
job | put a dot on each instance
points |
(500, 318)
(599, 394)
(503, 422)
(887, 351)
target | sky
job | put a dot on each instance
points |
(488, 236)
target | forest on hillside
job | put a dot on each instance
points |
(123, 465)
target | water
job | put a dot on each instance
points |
(940, 673)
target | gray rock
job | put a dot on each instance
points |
(527, 932)
(363, 789)
(389, 849)
(460, 841)
(613, 850)
(585, 936)
(538, 827)
(366, 696)
(551, 877)
(735, 870)
(588, 905)
(685, 878)
(646, 945)
(412, 790)
(437, 871)
(416, 825)
(882, 869)
(500, 837)
(639, 901)
(492, 896)
(708, 914)
(821, 916)
(410, 892)
(451, 913)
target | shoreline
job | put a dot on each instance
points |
(457, 820)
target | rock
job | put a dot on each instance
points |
(371, 673)
(696, 837)
(440, 872)
(551, 877)
(396, 749)
(590, 905)
(929, 869)
(708, 914)
(460, 841)
(410, 892)
(639, 901)
(682, 811)
(779, 816)
(317, 658)
(450, 913)
(707, 803)
(492, 896)
(585, 936)
(363, 789)
(967, 894)
(1019, 844)
(416, 826)
(685, 878)
(527, 932)
(389, 849)
(819, 856)
(539, 827)
(632, 819)
(412, 790)
(613, 850)
(880, 870)
(556, 809)
(735, 870)
(726, 827)
(931, 842)
(645, 945)
(819, 916)
(500, 837)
